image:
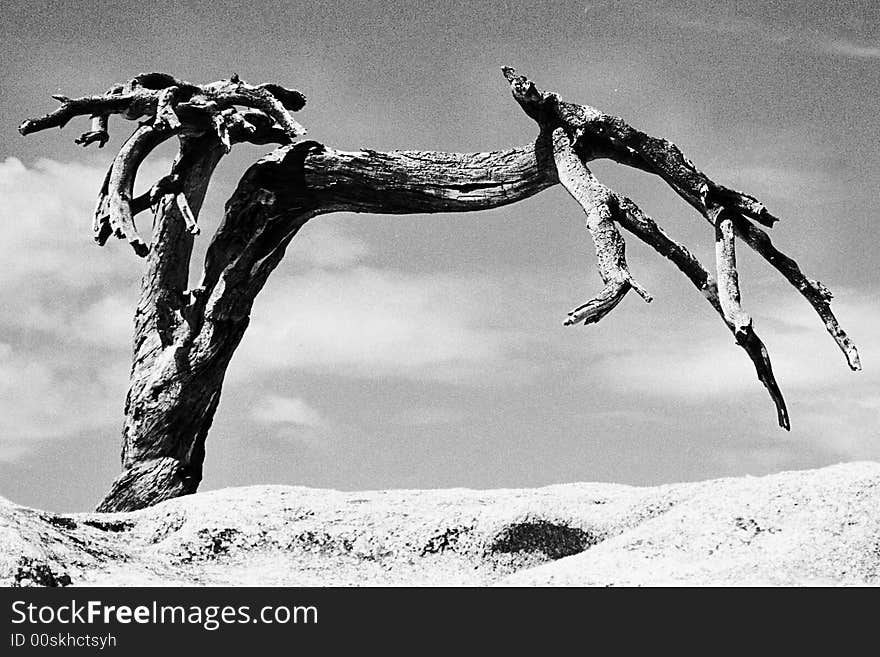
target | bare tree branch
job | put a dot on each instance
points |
(599, 135)
(642, 226)
(728, 278)
(813, 291)
(120, 186)
(98, 132)
(598, 204)
(162, 97)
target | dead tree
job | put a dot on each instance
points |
(184, 338)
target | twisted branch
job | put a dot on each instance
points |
(153, 94)
(173, 107)
(599, 204)
(592, 134)
(120, 186)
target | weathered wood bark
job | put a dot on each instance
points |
(184, 339)
(174, 387)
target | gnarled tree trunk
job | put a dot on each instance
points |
(184, 339)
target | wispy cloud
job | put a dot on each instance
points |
(293, 419)
(803, 355)
(60, 297)
(794, 37)
(54, 396)
(326, 242)
(46, 232)
(287, 411)
(790, 182)
(369, 322)
(65, 324)
(832, 406)
(850, 49)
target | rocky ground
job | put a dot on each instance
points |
(795, 528)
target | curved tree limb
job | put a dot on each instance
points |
(598, 204)
(120, 186)
(280, 193)
(115, 209)
(190, 344)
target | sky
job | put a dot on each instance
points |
(429, 351)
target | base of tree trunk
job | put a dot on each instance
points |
(150, 482)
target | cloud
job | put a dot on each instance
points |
(804, 356)
(287, 410)
(67, 305)
(54, 279)
(850, 49)
(46, 235)
(831, 406)
(293, 419)
(105, 323)
(43, 398)
(799, 38)
(46, 208)
(787, 182)
(326, 242)
(67, 313)
(366, 322)
(760, 459)
(845, 422)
